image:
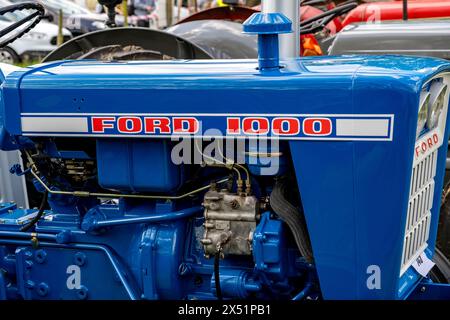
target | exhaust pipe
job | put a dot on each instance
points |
(289, 43)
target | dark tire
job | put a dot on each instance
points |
(127, 44)
(8, 55)
(441, 271)
(443, 239)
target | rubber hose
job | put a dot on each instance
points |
(292, 217)
(38, 215)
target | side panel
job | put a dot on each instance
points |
(354, 196)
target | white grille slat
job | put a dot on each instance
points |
(419, 209)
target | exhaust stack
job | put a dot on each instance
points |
(289, 43)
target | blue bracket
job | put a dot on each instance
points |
(431, 291)
(17, 170)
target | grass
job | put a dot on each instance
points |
(27, 63)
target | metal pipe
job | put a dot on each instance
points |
(27, 235)
(118, 195)
(128, 288)
(147, 219)
(405, 10)
(289, 43)
(60, 37)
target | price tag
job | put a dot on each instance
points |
(423, 265)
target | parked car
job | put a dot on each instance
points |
(34, 45)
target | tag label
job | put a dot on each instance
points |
(423, 265)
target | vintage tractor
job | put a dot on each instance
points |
(397, 10)
(212, 34)
(321, 179)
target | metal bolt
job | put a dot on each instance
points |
(423, 289)
(40, 256)
(28, 264)
(82, 293)
(29, 284)
(80, 258)
(42, 289)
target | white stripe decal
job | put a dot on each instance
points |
(344, 127)
(362, 127)
(55, 124)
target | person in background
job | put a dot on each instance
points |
(141, 7)
(223, 3)
(206, 4)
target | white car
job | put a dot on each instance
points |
(34, 45)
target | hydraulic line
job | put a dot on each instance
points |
(230, 164)
(39, 214)
(118, 195)
(293, 218)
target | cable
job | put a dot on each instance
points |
(29, 225)
(217, 275)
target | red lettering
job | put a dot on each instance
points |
(435, 138)
(233, 126)
(99, 124)
(417, 151)
(317, 127)
(185, 125)
(279, 126)
(129, 124)
(424, 147)
(255, 125)
(160, 124)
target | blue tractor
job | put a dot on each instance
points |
(322, 179)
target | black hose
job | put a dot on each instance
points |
(293, 218)
(29, 225)
(217, 275)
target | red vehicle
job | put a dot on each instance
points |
(312, 21)
(307, 12)
(393, 10)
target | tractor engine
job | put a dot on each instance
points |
(239, 179)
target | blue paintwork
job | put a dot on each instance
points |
(354, 191)
(427, 290)
(268, 26)
(115, 155)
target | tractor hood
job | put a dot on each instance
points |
(353, 151)
(158, 87)
(417, 38)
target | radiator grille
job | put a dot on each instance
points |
(419, 209)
